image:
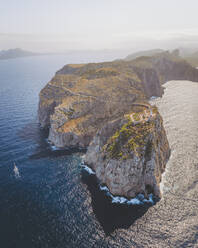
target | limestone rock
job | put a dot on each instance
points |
(128, 158)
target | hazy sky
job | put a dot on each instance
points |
(58, 25)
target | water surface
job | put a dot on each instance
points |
(47, 202)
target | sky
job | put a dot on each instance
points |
(61, 25)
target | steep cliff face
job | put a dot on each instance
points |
(176, 69)
(150, 81)
(168, 66)
(102, 106)
(130, 156)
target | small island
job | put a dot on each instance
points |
(16, 53)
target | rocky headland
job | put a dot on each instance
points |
(104, 107)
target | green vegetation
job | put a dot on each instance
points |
(129, 140)
(154, 109)
(70, 113)
(136, 117)
(100, 73)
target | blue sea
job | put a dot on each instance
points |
(46, 200)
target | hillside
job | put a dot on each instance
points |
(143, 53)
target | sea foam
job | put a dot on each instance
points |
(138, 200)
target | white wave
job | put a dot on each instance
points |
(88, 169)
(119, 199)
(150, 200)
(138, 200)
(104, 188)
(54, 148)
(134, 201)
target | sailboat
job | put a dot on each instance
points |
(16, 171)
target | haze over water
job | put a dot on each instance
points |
(45, 203)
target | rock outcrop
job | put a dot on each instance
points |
(130, 156)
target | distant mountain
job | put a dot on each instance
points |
(187, 54)
(16, 53)
(143, 53)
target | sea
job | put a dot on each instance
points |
(47, 200)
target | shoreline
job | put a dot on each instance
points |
(138, 200)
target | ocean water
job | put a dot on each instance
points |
(46, 200)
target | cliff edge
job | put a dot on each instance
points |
(104, 107)
(129, 154)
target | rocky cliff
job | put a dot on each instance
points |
(80, 99)
(95, 106)
(74, 106)
(129, 156)
(169, 66)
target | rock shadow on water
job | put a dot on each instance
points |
(111, 215)
(49, 152)
(34, 132)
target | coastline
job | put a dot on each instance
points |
(138, 200)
